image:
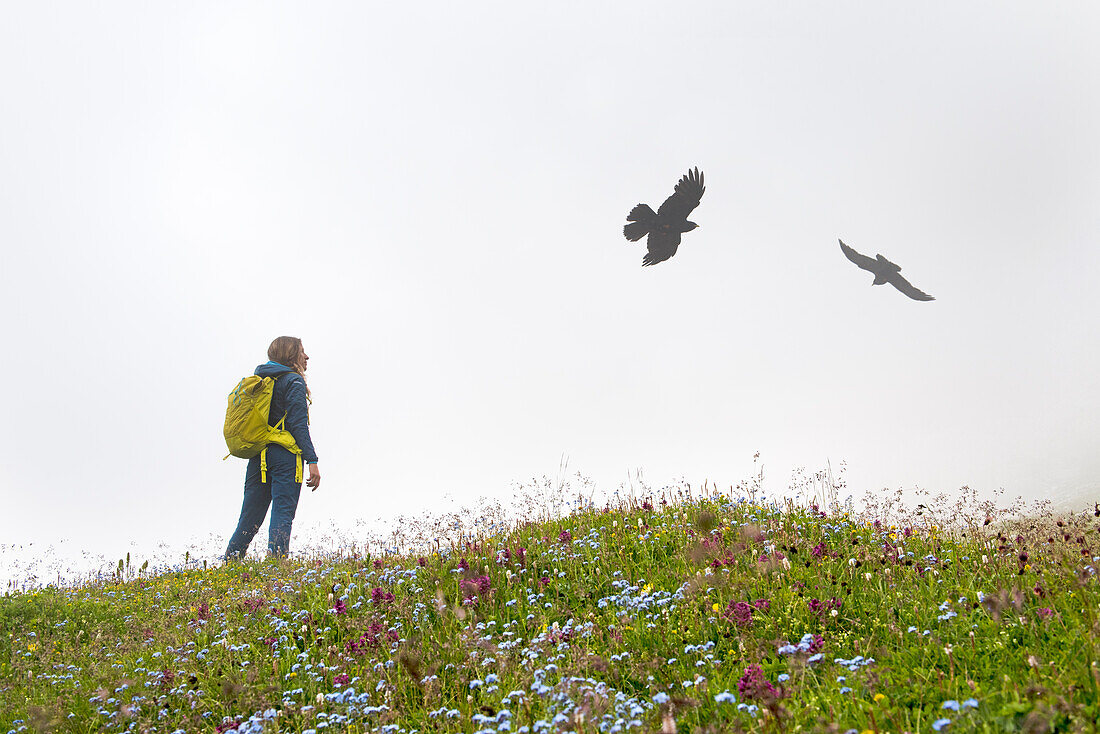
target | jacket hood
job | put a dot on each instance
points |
(272, 369)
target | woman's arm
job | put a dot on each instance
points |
(297, 418)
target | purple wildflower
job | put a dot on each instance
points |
(740, 613)
(370, 638)
(477, 586)
(252, 604)
(753, 685)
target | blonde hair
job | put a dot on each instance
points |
(287, 350)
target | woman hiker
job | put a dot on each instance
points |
(287, 363)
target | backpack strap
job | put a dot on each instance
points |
(297, 456)
(297, 466)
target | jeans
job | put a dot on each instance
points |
(280, 491)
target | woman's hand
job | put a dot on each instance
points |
(314, 480)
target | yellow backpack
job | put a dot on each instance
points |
(247, 428)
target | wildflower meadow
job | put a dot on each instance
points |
(705, 612)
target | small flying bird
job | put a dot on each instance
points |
(665, 226)
(885, 272)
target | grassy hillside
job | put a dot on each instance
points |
(706, 615)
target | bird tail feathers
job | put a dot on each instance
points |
(636, 230)
(640, 218)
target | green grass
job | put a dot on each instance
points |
(639, 618)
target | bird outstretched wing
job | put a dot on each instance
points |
(661, 246)
(867, 263)
(689, 190)
(907, 288)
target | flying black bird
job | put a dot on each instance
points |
(885, 272)
(665, 226)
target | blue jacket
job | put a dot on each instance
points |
(290, 396)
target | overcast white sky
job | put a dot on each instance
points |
(432, 196)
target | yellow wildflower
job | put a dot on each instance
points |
(879, 697)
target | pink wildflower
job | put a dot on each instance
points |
(753, 685)
(740, 613)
